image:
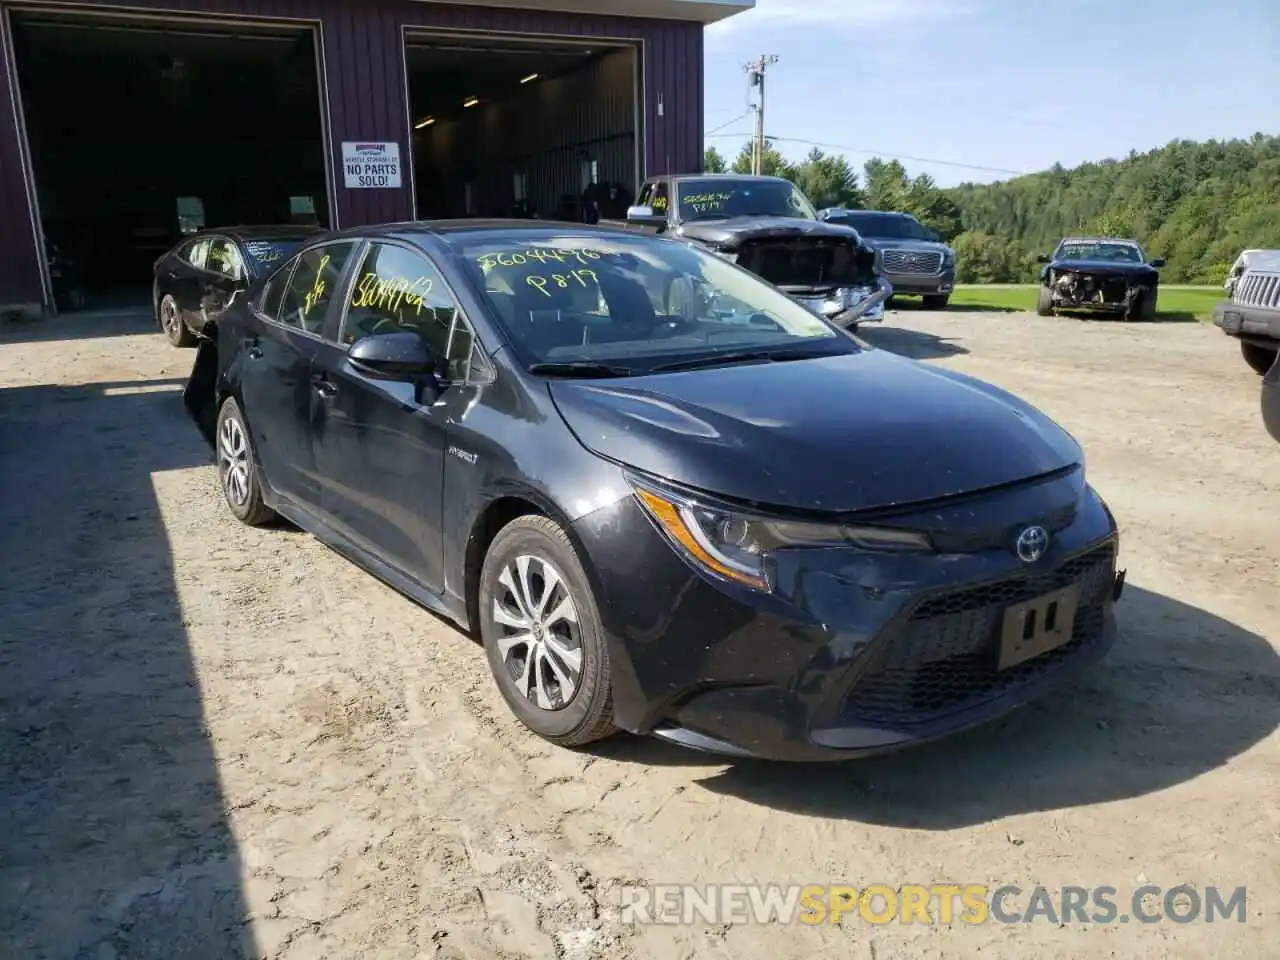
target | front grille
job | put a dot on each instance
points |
(806, 263)
(1259, 290)
(942, 657)
(911, 261)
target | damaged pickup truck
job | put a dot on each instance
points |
(768, 226)
(1099, 274)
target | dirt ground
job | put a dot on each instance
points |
(218, 741)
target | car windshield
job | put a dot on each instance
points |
(1106, 252)
(718, 198)
(636, 303)
(883, 226)
(264, 254)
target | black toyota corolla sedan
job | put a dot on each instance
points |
(197, 279)
(667, 497)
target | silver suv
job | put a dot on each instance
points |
(1252, 315)
(913, 258)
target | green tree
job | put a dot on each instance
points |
(983, 258)
(828, 181)
(773, 164)
(712, 162)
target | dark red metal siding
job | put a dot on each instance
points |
(364, 76)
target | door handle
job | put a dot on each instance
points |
(324, 386)
(253, 350)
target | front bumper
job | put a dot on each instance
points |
(847, 306)
(914, 284)
(852, 653)
(1253, 324)
(1271, 400)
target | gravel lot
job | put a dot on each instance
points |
(217, 740)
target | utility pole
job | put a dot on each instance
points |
(755, 71)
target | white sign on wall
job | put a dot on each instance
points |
(367, 165)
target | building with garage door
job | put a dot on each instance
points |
(126, 123)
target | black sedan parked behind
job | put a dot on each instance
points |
(731, 525)
(197, 279)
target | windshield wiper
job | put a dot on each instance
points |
(580, 368)
(746, 356)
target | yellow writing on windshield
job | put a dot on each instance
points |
(708, 198)
(560, 280)
(390, 294)
(704, 202)
(659, 203)
(541, 255)
(318, 287)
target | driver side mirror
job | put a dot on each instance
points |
(646, 217)
(402, 357)
(1157, 262)
(1043, 258)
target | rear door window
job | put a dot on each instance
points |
(224, 259)
(313, 286)
(273, 292)
(197, 253)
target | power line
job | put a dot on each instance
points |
(883, 153)
(741, 116)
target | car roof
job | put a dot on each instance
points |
(1131, 243)
(263, 231)
(447, 230)
(725, 176)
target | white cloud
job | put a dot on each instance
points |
(842, 16)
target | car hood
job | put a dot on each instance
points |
(729, 234)
(1100, 266)
(925, 246)
(841, 434)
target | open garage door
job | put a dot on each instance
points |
(546, 129)
(142, 130)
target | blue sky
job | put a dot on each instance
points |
(1006, 84)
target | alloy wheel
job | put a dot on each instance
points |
(169, 316)
(233, 461)
(539, 638)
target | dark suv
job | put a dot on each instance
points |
(913, 257)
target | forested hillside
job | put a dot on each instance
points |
(1195, 204)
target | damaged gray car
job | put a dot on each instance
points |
(1099, 275)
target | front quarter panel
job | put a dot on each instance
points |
(510, 443)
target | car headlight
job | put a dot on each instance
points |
(949, 258)
(735, 545)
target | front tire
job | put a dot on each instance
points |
(1259, 358)
(1044, 303)
(936, 301)
(175, 330)
(542, 634)
(238, 472)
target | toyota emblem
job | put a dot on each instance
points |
(1032, 543)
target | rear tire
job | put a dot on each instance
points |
(175, 330)
(1259, 358)
(1044, 302)
(542, 634)
(238, 472)
(936, 301)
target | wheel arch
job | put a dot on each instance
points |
(498, 511)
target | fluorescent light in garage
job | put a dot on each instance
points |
(530, 78)
(424, 123)
(470, 101)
